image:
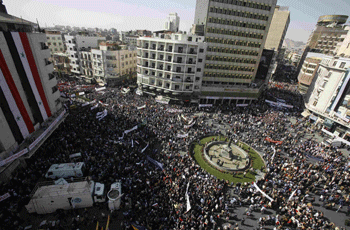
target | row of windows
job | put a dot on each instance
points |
(230, 67)
(234, 33)
(53, 38)
(254, 5)
(233, 42)
(49, 43)
(224, 21)
(233, 51)
(238, 13)
(230, 59)
(224, 75)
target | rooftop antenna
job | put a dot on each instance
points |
(38, 24)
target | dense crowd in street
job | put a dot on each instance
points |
(298, 173)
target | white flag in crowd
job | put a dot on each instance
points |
(156, 163)
(141, 107)
(264, 194)
(130, 130)
(182, 135)
(190, 125)
(94, 107)
(292, 195)
(101, 115)
(188, 205)
(144, 148)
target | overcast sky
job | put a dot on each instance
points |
(151, 14)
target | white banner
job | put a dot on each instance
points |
(144, 148)
(341, 117)
(278, 104)
(5, 196)
(81, 93)
(99, 89)
(88, 103)
(130, 130)
(182, 135)
(141, 107)
(94, 107)
(139, 92)
(264, 194)
(242, 105)
(190, 125)
(13, 157)
(125, 91)
(205, 105)
(162, 102)
(101, 115)
(291, 196)
(188, 204)
(174, 110)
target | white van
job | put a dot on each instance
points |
(65, 170)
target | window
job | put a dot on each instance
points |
(199, 69)
(342, 65)
(54, 89)
(201, 50)
(200, 60)
(335, 63)
(315, 103)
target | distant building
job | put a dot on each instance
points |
(112, 63)
(308, 71)
(343, 49)
(278, 28)
(55, 41)
(328, 33)
(77, 44)
(172, 23)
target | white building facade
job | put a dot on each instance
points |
(55, 41)
(77, 44)
(329, 94)
(171, 65)
(173, 23)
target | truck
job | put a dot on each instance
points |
(66, 170)
(48, 197)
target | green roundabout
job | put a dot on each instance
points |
(204, 154)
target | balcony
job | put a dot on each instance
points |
(153, 48)
(178, 61)
(47, 62)
(190, 72)
(179, 71)
(144, 65)
(191, 62)
(153, 57)
(179, 51)
(145, 47)
(160, 68)
(161, 49)
(169, 50)
(44, 46)
(160, 59)
(192, 52)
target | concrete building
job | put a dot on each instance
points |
(328, 95)
(278, 28)
(171, 65)
(173, 23)
(343, 49)
(55, 41)
(328, 34)
(235, 32)
(113, 63)
(29, 95)
(308, 71)
(77, 44)
(130, 40)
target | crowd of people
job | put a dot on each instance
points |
(155, 195)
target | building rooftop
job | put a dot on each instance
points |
(7, 18)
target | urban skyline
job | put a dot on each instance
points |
(151, 15)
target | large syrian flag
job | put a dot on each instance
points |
(28, 62)
(12, 105)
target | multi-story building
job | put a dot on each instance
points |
(171, 65)
(278, 28)
(173, 23)
(29, 94)
(55, 41)
(77, 44)
(61, 63)
(130, 40)
(343, 49)
(235, 32)
(328, 34)
(328, 94)
(308, 71)
(113, 63)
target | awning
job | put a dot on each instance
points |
(328, 123)
(313, 117)
(306, 113)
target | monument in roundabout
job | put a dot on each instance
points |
(226, 156)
